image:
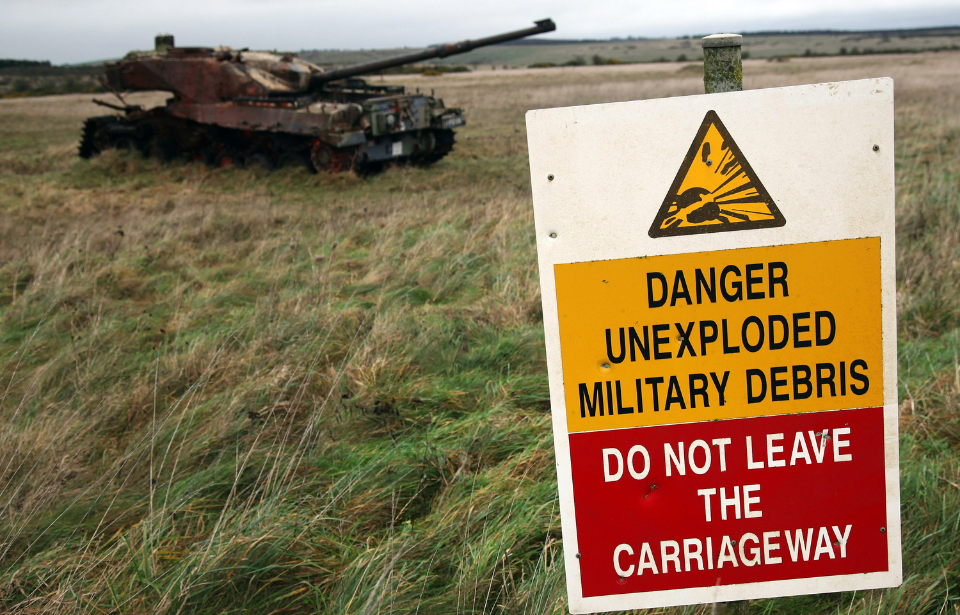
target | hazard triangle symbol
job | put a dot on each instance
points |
(715, 190)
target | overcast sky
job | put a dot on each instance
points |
(66, 31)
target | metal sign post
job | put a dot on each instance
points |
(723, 72)
(719, 291)
(722, 65)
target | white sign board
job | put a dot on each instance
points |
(718, 283)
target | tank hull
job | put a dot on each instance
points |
(271, 139)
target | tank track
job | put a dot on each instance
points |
(443, 145)
(167, 138)
(87, 150)
(91, 138)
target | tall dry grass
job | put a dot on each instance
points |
(236, 392)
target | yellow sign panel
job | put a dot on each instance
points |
(715, 189)
(718, 335)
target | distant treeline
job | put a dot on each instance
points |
(907, 32)
(23, 63)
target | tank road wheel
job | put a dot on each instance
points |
(227, 158)
(164, 150)
(333, 159)
(443, 141)
(368, 169)
(125, 143)
(259, 161)
(208, 156)
(295, 160)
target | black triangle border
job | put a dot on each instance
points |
(712, 118)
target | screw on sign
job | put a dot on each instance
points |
(721, 341)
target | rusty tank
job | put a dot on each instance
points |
(267, 109)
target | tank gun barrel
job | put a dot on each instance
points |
(437, 51)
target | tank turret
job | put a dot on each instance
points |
(267, 109)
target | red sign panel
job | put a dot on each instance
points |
(730, 502)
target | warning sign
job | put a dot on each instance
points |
(715, 190)
(724, 403)
(730, 502)
(726, 334)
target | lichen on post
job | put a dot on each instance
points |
(722, 64)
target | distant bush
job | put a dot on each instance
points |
(72, 86)
(576, 61)
(542, 65)
(599, 60)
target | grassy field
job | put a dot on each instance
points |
(763, 45)
(236, 392)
